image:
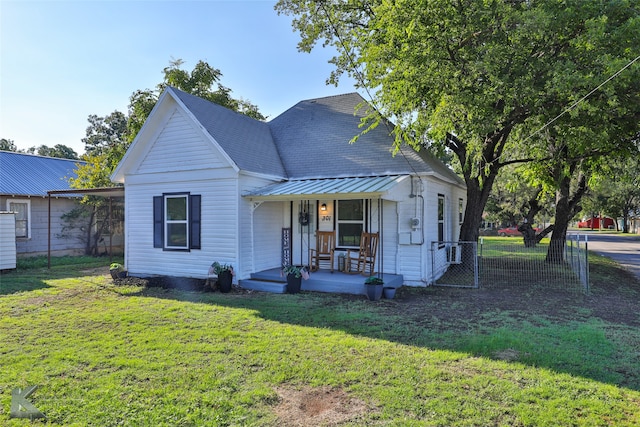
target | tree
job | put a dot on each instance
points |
(480, 78)
(515, 196)
(203, 81)
(59, 150)
(8, 145)
(616, 190)
(105, 133)
(107, 138)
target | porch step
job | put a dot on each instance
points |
(319, 281)
(264, 285)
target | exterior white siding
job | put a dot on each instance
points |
(267, 226)
(260, 228)
(7, 241)
(412, 239)
(180, 147)
(176, 154)
(219, 228)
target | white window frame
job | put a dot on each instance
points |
(168, 222)
(441, 217)
(28, 203)
(350, 221)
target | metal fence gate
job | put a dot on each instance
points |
(507, 263)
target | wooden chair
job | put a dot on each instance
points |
(363, 260)
(325, 248)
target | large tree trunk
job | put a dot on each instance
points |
(561, 224)
(567, 206)
(470, 229)
(88, 249)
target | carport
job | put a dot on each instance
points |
(109, 192)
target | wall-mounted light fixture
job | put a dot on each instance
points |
(323, 207)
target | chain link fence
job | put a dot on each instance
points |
(496, 263)
(455, 264)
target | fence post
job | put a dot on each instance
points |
(586, 263)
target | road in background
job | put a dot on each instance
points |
(622, 248)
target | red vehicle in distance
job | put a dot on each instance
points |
(596, 222)
(513, 231)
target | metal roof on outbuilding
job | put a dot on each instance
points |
(366, 187)
(29, 175)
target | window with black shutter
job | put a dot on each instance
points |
(176, 221)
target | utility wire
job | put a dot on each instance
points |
(575, 104)
(360, 78)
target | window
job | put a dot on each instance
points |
(176, 222)
(460, 211)
(22, 208)
(440, 218)
(350, 222)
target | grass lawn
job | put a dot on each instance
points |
(126, 355)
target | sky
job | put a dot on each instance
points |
(61, 61)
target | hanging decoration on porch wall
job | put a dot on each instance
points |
(286, 246)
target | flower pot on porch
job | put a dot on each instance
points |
(374, 292)
(389, 292)
(224, 281)
(293, 283)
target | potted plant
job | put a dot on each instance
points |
(225, 274)
(295, 274)
(389, 292)
(373, 287)
(117, 271)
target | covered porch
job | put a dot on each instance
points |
(319, 281)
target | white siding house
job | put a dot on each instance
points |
(204, 184)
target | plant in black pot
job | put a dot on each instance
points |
(117, 271)
(373, 286)
(295, 274)
(225, 274)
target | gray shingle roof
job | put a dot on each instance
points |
(29, 175)
(311, 140)
(247, 141)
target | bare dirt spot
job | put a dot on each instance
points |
(98, 271)
(320, 406)
(509, 355)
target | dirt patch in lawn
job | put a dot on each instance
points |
(615, 299)
(319, 406)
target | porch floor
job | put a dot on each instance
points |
(319, 281)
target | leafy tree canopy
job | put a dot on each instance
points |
(8, 145)
(480, 78)
(203, 81)
(107, 138)
(59, 150)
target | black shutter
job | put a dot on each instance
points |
(158, 221)
(194, 222)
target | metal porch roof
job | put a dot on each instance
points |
(335, 188)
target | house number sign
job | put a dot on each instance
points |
(325, 218)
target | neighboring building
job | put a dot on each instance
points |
(24, 182)
(204, 183)
(598, 223)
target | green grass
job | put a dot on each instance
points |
(126, 355)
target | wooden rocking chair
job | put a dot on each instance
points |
(325, 247)
(363, 260)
